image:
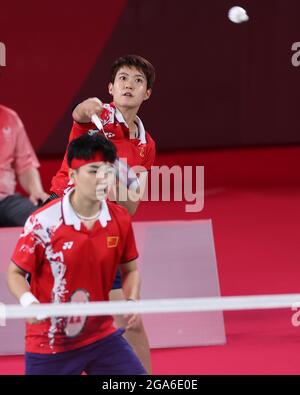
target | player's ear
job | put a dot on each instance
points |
(147, 94)
(72, 174)
(110, 88)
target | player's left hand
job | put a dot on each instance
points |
(133, 321)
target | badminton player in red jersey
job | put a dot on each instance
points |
(131, 82)
(72, 248)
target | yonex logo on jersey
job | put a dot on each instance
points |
(92, 132)
(95, 131)
(68, 245)
(112, 241)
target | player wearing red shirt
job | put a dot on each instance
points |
(139, 151)
(131, 82)
(72, 248)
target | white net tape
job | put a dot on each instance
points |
(152, 306)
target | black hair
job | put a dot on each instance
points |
(86, 146)
(139, 63)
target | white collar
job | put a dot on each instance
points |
(70, 218)
(141, 129)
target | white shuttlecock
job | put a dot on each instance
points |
(238, 15)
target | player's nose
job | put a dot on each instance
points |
(128, 84)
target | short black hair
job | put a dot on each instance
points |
(136, 61)
(86, 146)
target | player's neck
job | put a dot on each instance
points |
(84, 207)
(129, 115)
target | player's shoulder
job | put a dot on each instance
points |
(118, 212)
(46, 217)
(149, 140)
(80, 128)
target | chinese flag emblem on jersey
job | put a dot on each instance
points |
(142, 152)
(112, 241)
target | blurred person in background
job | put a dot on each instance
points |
(18, 162)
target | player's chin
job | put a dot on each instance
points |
(101, 194)
(128, 102)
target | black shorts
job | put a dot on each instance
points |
(109, 356)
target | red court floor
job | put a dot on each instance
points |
(252, 197)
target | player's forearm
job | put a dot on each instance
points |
(79, 114)
(30, 180)
(17, 282)
(131, 285)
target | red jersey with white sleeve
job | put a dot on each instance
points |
(67, 262)
(137, 152)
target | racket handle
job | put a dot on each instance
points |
(97, 121)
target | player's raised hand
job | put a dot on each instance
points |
(84, 111)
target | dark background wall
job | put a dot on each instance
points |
(218, 84)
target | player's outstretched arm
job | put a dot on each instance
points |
(83, 112)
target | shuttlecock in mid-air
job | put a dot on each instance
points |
(238, 15)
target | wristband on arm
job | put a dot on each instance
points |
(27, 299)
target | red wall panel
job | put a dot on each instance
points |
(218, 84)
(51, 48)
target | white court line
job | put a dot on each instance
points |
(154, 306)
